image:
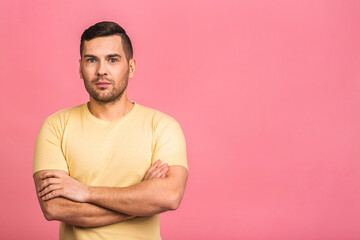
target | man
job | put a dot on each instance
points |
(97, 166)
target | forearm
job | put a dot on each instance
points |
(146, 198)
(151, 196)
(80, 214)
(76, 213)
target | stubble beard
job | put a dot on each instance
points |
(111, 96)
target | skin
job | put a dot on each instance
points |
(86, 214)
(105, 71)
(138, 199)
(104, 61)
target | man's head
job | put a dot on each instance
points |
(106, 62)
(104, 29)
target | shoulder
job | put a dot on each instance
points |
(157, 118)
(58, 121)
(65, 114)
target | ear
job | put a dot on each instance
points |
(80, 72)
(132, 68)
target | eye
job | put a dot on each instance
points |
(113, 60)
(91, 60)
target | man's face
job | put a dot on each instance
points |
(105, 69)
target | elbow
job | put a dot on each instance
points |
(49, 212)
(48, 215)
(174, 206)
(174, 201)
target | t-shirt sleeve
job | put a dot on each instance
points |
(170, 146)
(48, 153)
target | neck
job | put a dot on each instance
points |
(110, 111)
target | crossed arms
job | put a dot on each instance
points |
(65, 199)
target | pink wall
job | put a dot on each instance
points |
(267, 93)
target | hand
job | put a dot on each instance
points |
(59, 184)
(156, 171)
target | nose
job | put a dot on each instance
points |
(101, 68)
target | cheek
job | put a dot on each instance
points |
(87, 72)
(86, 77)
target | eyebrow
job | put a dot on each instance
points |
(113, 55)
(89, 56)
(109, 56)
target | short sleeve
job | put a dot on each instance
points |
(170, 146)
(48, 153)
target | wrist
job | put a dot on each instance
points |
(88, 194)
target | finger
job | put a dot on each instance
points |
(156, 171)
(153, 173)
(164, 168)
(51, 195)
(46, 182)
(151, 169)
(49, 189)
(162, 171)
(50, 173)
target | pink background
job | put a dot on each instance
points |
(267, 94)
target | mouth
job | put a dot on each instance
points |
(102, 84)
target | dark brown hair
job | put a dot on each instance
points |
(104, 29)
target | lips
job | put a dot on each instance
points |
(102, 84)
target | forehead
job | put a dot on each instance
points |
(103, 46)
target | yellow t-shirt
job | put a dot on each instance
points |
(113, 154)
